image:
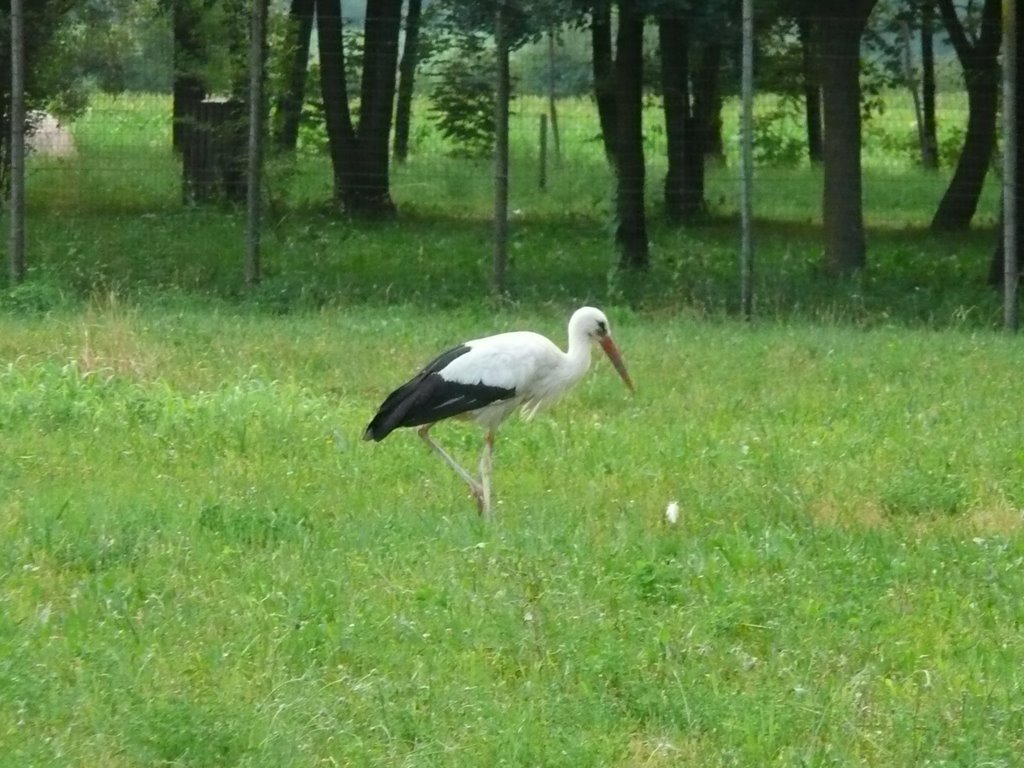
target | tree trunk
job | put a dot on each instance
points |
(289, 103)
(407, 76)
(556, 134)
(812, 92)
(930, 149)
(843, 212)
(189, 87)
(707, 102)
(604, 75)
(371, 195)
(960, 202)
(334, 90)
(631, 226)
(675, 88)
(981, 77)
(693, 170)
(359, 156)
(686, 128)
(910, 80)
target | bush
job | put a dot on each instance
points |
(462, 96)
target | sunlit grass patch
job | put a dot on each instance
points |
(109, 343)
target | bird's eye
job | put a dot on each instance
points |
(602, 328)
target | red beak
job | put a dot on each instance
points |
(613, 354)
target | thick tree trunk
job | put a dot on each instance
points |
(604, 75)
(707, 102)
(686, 127)
(930, 148)
(693, 169)
(981, 76)
(407, 76)
(812, 92)
(843, 213)
(189, 87)
(371, 194)
(289, 103)
(631, 225)
(359, 156)
(675, 89)
(334, 91)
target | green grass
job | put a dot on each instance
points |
(202, 564)
(111, 219)
(315, 260)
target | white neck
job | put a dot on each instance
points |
(577, 356)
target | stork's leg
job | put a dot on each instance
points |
(474, 486)
(486, 464)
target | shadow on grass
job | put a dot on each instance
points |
(312, 258)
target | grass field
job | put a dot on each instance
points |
(201, 563)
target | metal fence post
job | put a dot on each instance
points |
(1011, 275)
(747, 163)
(16, 256)
(500, 260)
(254, 191)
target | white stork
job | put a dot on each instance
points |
(486, 379)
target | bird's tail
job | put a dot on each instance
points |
(386, 421)
(374, 431)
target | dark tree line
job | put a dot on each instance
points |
(366, 90)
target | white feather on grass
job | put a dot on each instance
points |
(672, 512)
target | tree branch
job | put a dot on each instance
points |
(991, 35)
(957, 36)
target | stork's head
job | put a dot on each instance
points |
(592, 324)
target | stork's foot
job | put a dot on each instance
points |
(479, 497)
(482, 497)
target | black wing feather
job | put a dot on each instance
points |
(428, 397)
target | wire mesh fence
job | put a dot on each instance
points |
(116, 153)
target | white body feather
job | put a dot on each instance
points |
(527, 362)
